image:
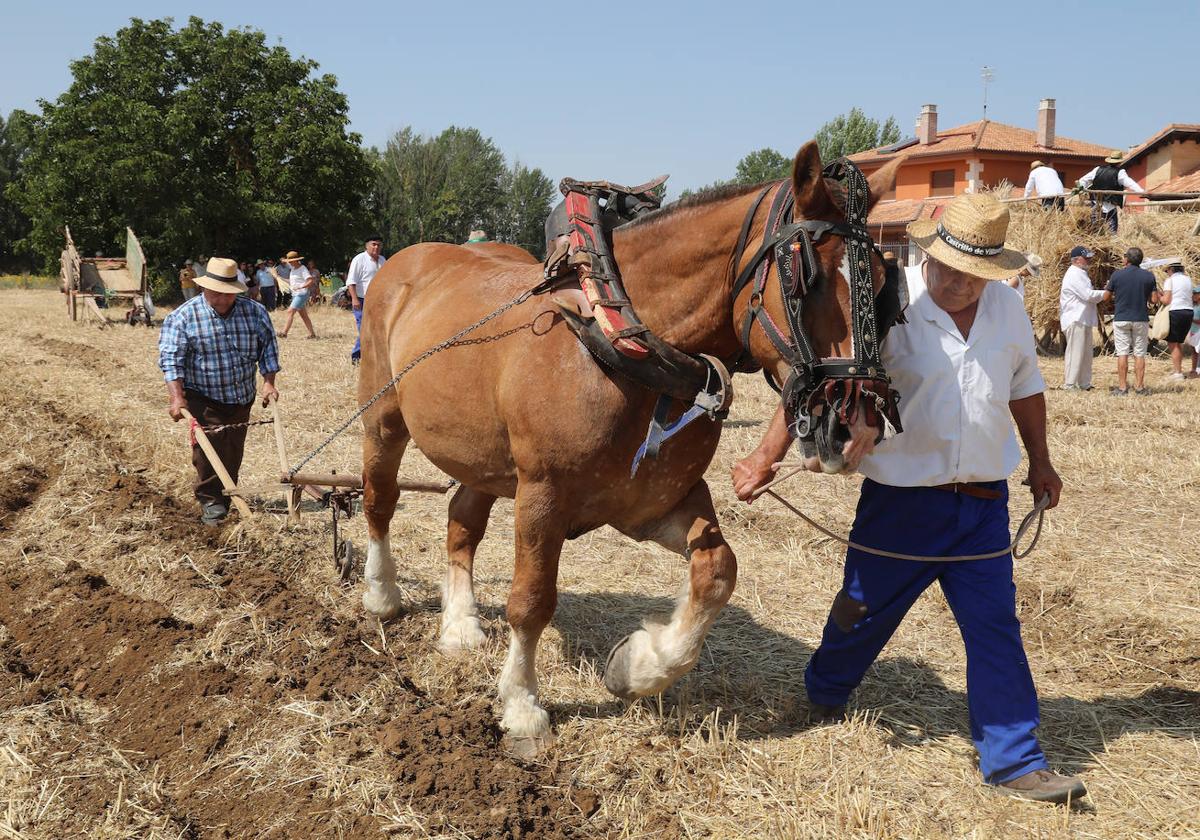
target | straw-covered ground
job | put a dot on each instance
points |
(162, 680)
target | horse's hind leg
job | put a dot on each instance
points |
(468, 519)
(539, 539)
(384, 440)
(652, 658)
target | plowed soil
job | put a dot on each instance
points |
(163, 679)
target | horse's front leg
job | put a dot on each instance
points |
(540, 531)
(652, 658)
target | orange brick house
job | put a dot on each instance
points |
(944, 163)
(1169, 162)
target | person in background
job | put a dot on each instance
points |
(1032, 268)
(1110, 177)
(187, 281)
(1045, 182)
(477, 236)
(1193, 336)
(246, 276)
(208, 351)
(302, 283)
(1177, 297)
(318, 294)
(358, 279)
(266, 283)
(1077, 315)
(1132, 288)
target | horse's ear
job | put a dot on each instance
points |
(813, 200)
(884, 180)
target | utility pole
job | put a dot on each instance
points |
(987, 75)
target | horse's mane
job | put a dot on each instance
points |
(698, 199)
(837, 192)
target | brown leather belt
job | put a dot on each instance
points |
(969, 490)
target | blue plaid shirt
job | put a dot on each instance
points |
(216, 356)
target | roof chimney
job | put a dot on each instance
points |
(1045, 124)
(927, 125)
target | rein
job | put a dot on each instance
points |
(1039, 511)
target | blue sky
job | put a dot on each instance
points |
(629, 90)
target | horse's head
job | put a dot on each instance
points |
(826, 317)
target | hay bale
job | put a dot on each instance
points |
(1052, 234)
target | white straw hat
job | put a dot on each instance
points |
(969, 237)
(220, 275)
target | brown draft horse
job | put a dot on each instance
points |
(532, 417)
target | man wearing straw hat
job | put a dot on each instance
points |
(1045, 181)
(966, 368)
(1110, 178)
(208, 351)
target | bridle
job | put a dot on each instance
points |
(845, 385)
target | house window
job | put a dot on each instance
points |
(941, 182)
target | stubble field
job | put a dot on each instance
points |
(158, 679)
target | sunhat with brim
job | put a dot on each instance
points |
(1116, 157)
(220, 275)
(969, 237)
(1033, 263)
(292, 256)
(1036, 164)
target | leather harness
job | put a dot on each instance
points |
(619, 341)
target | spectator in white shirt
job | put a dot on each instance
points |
(358, 279)
(1177, 297)
(966, 367)
(1077, 315)
(1045, 182)
(1110, 177)
(303, 283)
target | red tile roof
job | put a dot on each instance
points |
(988, 136)
(892, 212)
(1189, 183)
(1164, 134)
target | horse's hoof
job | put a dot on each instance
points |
(465, 635)
(616, 670)
(383, 604)
(527, 747)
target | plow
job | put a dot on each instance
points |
(339, 493)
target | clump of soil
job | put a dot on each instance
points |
(19, 489)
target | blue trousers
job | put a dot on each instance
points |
(357, 351)
(877, 592)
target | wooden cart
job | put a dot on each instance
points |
(89, 281)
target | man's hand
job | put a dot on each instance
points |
(1044, 480)
(270, 393)
(176, 407)
(750, 473)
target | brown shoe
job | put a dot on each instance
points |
(1044, 786)
(819, 713)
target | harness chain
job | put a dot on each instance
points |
(437, 348)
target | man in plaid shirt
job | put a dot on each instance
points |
(208, 351)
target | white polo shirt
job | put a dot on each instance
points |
(1045, 181)
(362, 270)
(954, 394)
(1077, 299)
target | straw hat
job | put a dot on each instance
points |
(1033, 264)
(969, 237)
(292, 256)
(220, 275)
(1036, 164)
(1116, 157)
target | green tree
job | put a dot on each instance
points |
(204, 141)
(762, 165)
(435, 189)
(15, 136)
(521, 215)
(854, 132)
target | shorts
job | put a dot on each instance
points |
(1181, 322)
(1131, 335)
(299, 300)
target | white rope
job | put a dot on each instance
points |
(1039, 511)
